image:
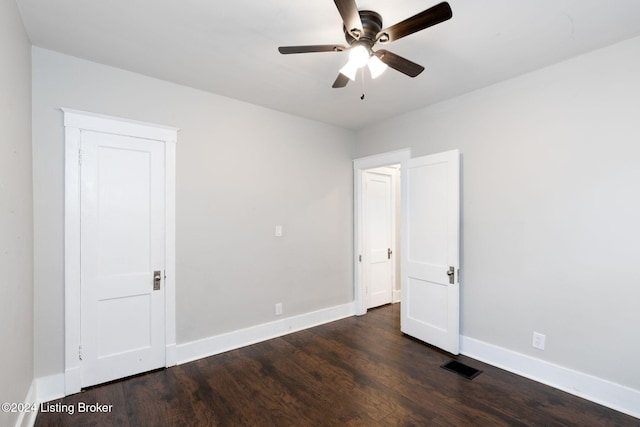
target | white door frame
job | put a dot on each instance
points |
(75, 122)
(359, 166)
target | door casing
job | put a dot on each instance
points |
(75, 122)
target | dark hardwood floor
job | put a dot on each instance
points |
(360, 371)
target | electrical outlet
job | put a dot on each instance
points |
(278, 231)
(278, 309)
(538, 340)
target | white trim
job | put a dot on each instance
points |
(359, 166)
(28, 419)
(50, 388)
(101, 123)
(72, 260)
(170, 250)
(195, 350)
(615, 396)
(75, 121)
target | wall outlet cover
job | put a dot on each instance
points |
(538, 340)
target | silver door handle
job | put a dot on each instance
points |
(451, 273)
(157, 278)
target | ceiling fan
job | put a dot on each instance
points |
(363, 29)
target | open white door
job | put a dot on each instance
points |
(430, 249)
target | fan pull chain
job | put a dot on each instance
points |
(362, 81)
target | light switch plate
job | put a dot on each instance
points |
(278, 231)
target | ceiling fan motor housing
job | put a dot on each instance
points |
(371, 26)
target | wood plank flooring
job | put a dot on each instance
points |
(360, 371)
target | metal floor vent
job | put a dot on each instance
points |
(461, 369)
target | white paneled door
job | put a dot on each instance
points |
(378, 236)
(430, 249)
(122, 215)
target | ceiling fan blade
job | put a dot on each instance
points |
(425, 19)
(285, 50)
(350, 16)
(341, 81)
(399, 63)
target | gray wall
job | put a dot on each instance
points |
(551, 207)
(241, 170)
(16, 217)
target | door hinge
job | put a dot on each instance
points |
(79, 352)
(359, 258)
(79, 157)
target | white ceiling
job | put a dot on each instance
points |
(230, 48)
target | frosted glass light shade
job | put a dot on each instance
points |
(376, 66)
(349, 70)
(359, 56)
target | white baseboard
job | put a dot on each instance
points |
(170, 355)
(50, 388)
(397, 295)
(615, 396)
(28, 419)
(195, 350)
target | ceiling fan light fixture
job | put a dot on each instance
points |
(376, 66)
(359, 56)
(349, 70)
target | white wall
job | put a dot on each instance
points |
(551, 207)
(16, 217)
(241, 170)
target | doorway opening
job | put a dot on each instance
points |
(381, 235)
(377, 229)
